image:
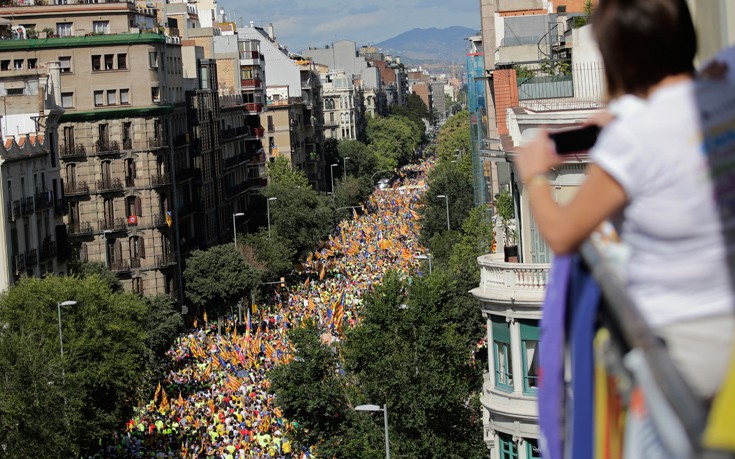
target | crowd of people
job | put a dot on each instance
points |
(215, 401)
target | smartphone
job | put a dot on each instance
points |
(575, 140)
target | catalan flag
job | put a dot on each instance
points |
(164, 401)
(158, 391)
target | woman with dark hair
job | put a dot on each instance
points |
(649, 175)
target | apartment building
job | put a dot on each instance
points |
(294, 106)
(123, 141)
(31, 218)
(343, 113)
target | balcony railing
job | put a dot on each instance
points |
(26, 205)
(14, 209)
(109, 185)
(119, 266)
(160, 180)
(114, 224)
(254, 108)
(31, 257)
(129, 182)
(252, 83)
(44, 200)
(19, 264)
(156, 142)
(76, 188)
(233, 161)
(164, 260)
(234, 132)
(103, 147)
(511, 282)
(160, 221)
(48, 249)
(135, 263)
(60, 208)
(127, 144)
(72, 151)
(79, 229)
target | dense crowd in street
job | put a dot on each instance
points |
(215, 401)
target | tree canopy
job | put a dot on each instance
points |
(54, 407)
(217, 278)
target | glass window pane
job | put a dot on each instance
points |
(112, 97)
(98, 98)
(124, 96)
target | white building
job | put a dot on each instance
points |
(342, 103)
(31, 218)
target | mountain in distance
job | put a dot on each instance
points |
(430, 46)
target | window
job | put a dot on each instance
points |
(32, 63)
(65, 64)
(132, 206)
(67, 99)
(125, 96)
(137, 248)
(5, 64)
(98, 98)
(138, 285)
(112, 97)
(101, 26)
(15, 91)
(532, 449)
(64, 29)
(501, 353)
(122, 61)
(529, 345)
(153, 60)
(109, 59)
(18, 64)
(507, 447)
(155, 94)
(96, 62)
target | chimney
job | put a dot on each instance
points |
(271, 34)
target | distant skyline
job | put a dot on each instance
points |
(299, 24)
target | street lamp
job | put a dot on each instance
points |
(426, 256)
(331, 170)
(385, 422)
(61, 340)
(234, 228)
(345, 167)
(268, 207)
(447, 202)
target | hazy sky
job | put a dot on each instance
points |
(299, 24)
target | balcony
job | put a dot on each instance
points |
(234, 132)
(160, 180)
(76, 188)
(72, 151)
(234, 161)
(109, 185)
(234, 190)
(129, 182)
(156, 142)
(44, 200)
(119, 266)
(14, 209)
(249, 55)
(48, 249)
(252, 83)
(31, 258)
(60, 208)
(19, 264)
(79, 229)
(104, 148)
(258, 132)
(127, 144)
(135, 263)
(165, 260)
(114, 224)
(26, 205)
(160, 221)
(254, 108)
(187, 209)
(512, 283)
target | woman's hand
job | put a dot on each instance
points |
(537, 158)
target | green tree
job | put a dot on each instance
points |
(416, 105)
(274, 256)
(454, 135)
(84, 269)
(299, 214)
(217, 278)
(281, 171)
(163, 324)
(409, 354)
(90, 389)
(310, 391)
(362, 162)
(393, 140)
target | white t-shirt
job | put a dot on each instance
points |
(678, 269)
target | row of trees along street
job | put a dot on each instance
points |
(412, 350)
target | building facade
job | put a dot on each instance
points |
(31, 219)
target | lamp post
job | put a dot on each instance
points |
(331, 170)
(426, 256)
(61, 339)
(446, 198)
(385, 422)
(234, 228)
(345, 167)
(372, 177)
(268, 207)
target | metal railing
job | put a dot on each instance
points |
(559, 84)
(76, 188)
(72, 151)
(26, 205)
(109, 185)
(160, 180)
(31, 257)
(79, 229)
(113, 224)
(166, 259)
(48, 249)
(44, 200)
